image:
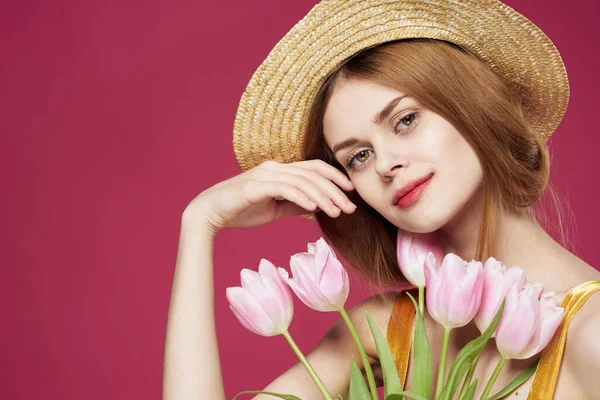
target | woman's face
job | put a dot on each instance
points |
(409, 143)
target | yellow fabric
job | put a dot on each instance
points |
(400, 331)
(546, 373)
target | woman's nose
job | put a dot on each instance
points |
(389, 160)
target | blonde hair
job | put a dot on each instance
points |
(477, 102)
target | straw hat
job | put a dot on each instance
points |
(272, 113)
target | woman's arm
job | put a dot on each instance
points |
(263, 194)
(581, 357)
(191, 367)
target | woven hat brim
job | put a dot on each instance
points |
(272, 113)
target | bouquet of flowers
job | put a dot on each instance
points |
(521, 317)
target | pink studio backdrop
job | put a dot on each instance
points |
(116, 114)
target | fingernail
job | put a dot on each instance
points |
(351, 205)
(335, 209)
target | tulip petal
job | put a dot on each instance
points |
(248, 278)
(312, 295)
(493, 293)
(466, 297)
(497, 282)
(278, 301)
(305, 280)
(325, 246)
(306, 262)
(255, 285)
(252, 283)
(320, 261)
(510, 307)
(345, 284)
(331, 279)
(320, 268)
(411, 251)
(515, 276)
(429, 269)
(333, 283)
(446, 281)
(536, 289)
(456, 310)
(292, 284)
(549, 319)
(249, 312)
(518, 332)
(456, 268)
(288, 304)
(431, 262)
(283, 274)
(297, 289)
(431, 291)
(276, 283)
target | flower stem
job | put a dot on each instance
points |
(422, 298)
(309, 368)
(363, 354)
(490, 384)
(442, 367)
(467, 381)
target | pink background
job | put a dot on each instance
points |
(115, 114)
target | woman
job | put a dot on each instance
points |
(378, 116)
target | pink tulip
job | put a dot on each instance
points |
(263, 304)
(453, 291)
(319, 280)
(528, 323)
(497, 280)
(411, 250)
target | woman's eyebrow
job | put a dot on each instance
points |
(383, 114)
(378, 119)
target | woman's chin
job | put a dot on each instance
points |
(420, 228)
(420, 218)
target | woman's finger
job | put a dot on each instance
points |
(321, 192)
(318, 187)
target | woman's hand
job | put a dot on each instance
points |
(272, 191)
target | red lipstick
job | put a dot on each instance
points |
(411, 192)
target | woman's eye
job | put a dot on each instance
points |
(361, 156)
(407, 120)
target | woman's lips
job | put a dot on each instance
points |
(414, 195)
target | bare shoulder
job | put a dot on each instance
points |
(582, 347)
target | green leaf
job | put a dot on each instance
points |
(470, 393)
(410, 395)
(391, 379)
(281, 396)
(466, 355)
(421, 377)
(515, 383)
(358, 388)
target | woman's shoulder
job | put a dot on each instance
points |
(582, 348)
